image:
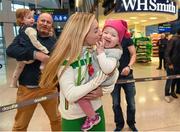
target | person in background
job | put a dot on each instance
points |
(25, 19)
(29, 78)
(174, 81)
(128, 58)
(162, 44)
(72, 63)
(52, 33)
(173, 66)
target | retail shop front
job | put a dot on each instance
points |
(142, 13)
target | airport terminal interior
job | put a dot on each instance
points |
(153, 112)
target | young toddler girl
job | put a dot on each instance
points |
(25, 19)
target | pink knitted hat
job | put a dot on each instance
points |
(127, 34)
(118, 25)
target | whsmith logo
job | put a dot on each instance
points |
(146, 5)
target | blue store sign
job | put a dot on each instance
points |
(165, 6)
(60, 18)
(59, 15)
(164, 29)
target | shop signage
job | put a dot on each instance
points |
(166, 6)
(166, 27)
(59, 15)
(56, 18)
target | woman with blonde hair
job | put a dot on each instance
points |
(70, 65)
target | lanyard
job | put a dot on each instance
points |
(80, 77)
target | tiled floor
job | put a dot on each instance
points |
(152, 113)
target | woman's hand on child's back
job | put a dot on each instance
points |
(94, 94)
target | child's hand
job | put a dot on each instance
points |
(41, 56)
(100, 47)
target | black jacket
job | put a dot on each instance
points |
(162, 44)
(23, 50)
(172, 54)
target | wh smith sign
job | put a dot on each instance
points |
(166, 6)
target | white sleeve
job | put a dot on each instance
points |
(109, 89)
(107, 64)
(32, 34)
(72, 92)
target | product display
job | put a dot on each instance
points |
(143, 49)
(154, 41)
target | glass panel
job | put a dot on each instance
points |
(14, 7)
(1, 42)
(1, 37)
(0, 30)
(34, 4)
(3, 72)
(18, 4)
(16, 30)
(0, 4)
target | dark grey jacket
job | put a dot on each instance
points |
(172, 54)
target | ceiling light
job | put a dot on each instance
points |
(133, 17)
(153, 18)
(143, 20)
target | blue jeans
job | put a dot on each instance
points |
(168, 82)
(130, 92)
(177, 71)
